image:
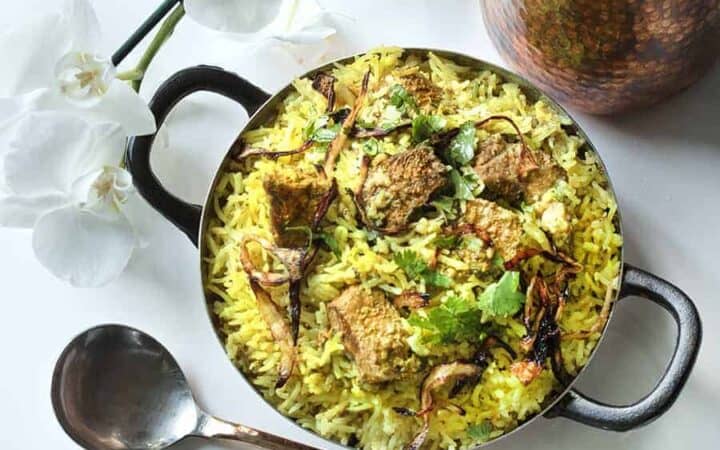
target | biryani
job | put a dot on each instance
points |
(411, 253)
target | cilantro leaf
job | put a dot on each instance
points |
(424, 126)
(410, 262)
(330, 241)
(314, 125)
(502, 298)
(462, 147)
(416, 268)
(401, 98)
(463, 189)
(453, 321)
(446, 206)
(326, 134)
(437, 279)
(480, 431)
(447, 241)
(371, 147)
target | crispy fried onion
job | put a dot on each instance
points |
(338, 143)
(295, 261)
(454, 374)
(571, 266)
(361, 133)
(411, 300)
(543, 337)
(273, 316)
(482, 358)
(324, 204)
(324, 83)
(242, 151)
(528, 159)
(291, 258)
(602, 318)
(440, 375)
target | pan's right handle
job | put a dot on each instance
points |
(636, 282)
(184, 215)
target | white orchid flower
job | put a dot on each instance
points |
(60, 177)
(53, 64)
(291, 21)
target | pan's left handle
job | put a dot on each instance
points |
(184, 215)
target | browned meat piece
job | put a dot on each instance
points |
(324, 83)
(538, 181)
(498, 164)
(400, 184)
(501, 225)
(372, 333)
(421, 88)
(507, 175)
(293, 201)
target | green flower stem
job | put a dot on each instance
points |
(165, 31)
(130, 75)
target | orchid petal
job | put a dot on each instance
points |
(51, 150)
(30, 53)
(44, 154)
(81, 22)
(234, 16)
(307, 23)
(122, 105)
(83, 248)
(23, 212)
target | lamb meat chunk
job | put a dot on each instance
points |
(500, 165)
(373, 333)
(423, 90)
(400, 184)
(293, 200)
(501, 225)
(543, 178)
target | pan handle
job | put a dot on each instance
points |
(184, 215)
(578, 407)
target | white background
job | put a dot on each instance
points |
(664, 163)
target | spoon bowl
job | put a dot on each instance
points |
(116, 388)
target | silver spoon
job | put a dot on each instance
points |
(116, 388)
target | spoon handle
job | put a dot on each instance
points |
(213, 428)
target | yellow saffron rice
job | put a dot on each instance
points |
(325, 394)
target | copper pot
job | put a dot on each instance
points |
(606, 56)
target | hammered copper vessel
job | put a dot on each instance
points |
(607, 56)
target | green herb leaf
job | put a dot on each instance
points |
(326, 134)
(416, 268)
(437, 279)
(462, 147)
(445, 205)
(401, 98)
(371, 147)
(424, 126)
(503, 298)
(454, 321)
(481, 431)
(410, 262)
(330, 241)
(447, 241)
(463, 188)
(314, 125)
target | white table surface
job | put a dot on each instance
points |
(664, 164)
